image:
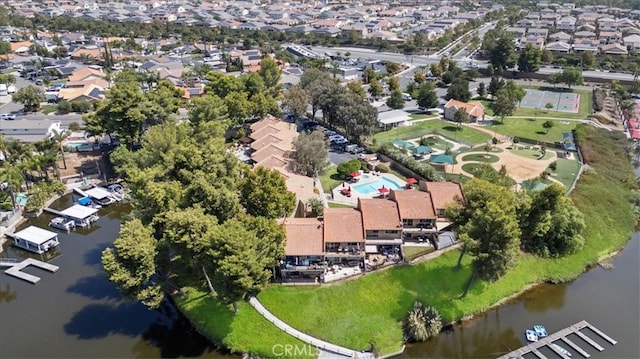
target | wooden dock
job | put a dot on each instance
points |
(16, 269)
(562, 335)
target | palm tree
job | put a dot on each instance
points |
(58, 138)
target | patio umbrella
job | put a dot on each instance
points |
(355, 174)
(411, 180)
(383, 190)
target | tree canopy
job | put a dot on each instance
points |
(310, 153)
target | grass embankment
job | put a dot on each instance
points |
(330, 179)
(424, 128)
(566, 171)
(370, 309)
(244, 332)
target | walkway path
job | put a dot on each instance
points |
(327, 350)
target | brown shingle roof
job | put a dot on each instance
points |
(268, 120)
(304, 237)
(443, 193)
(413, 204)
(263, 141)
(379, 214)
(264, 131)
(267, 151)
(342, 225)
(473, 108)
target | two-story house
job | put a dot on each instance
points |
(381, 224)
(304, 254)
(416, 212)
(343, 236)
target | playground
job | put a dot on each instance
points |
(561, 101)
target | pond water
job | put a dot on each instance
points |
(78, 313)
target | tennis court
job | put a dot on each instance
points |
(561, 101)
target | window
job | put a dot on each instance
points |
(391, 232)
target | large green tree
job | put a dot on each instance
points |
(395, 101)
(131, 264)
(427, 96)
(208, 108)
(263, 192)
(459, 90)
(530, 59)
(296, 100)
(310, 153)
(30, 97)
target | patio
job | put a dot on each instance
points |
(348, 192)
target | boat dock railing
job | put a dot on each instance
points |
(562, 335)
(8, 262)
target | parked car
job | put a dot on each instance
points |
(7, 116)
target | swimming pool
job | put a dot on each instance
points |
(370, 188)
(75, 145)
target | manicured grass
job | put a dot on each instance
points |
(583, 111)
(339, 205)
(532, 129)
(455, 177)
(470, 167)
(420, 129)
(532, 154)
(437, 142)
(413, 252)
(370, 310)
(47, 109)
(219, 323)
(481, 157)
(330, 179)
(566, 171)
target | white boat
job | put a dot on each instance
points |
(531, 335)
(560, 349)
(62, 223)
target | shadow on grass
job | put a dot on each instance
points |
(336, 177)
(452, 128)
(541, 133)
(554, 89)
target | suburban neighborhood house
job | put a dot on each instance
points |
(474, 109)
(373, 234)
(29, 131)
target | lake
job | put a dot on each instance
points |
(77, 313)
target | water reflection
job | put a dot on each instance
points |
(90, 287)
(545, 297)
(7, 294)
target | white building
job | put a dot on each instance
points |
(393, 118)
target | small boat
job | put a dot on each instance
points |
(88, 202)
(560, 349)
(62, 223)
(531, 335)
(540, 330)
(115, 188)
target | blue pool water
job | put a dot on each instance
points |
(370, 188)
(75, 145)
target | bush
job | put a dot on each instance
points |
(422, 323)
(422, 168)
(64, 107)
(382, 168)
(81, 106)
(553, 166)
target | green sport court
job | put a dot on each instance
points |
(561, 101)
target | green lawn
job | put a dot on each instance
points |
(330, 179)
(47, 109)
(437, 142)
(222, 326)
(339, 205)
(532, 129)
(413, 252)
(481, 157)
(420, 129)
(584, 110)
(369, 310)
(566, 171)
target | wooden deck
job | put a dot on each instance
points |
(562, 336)
(16, 269)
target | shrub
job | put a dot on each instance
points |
(422, 323)
(553, 166)
(64, 107)
(81, 106)
(422, 168)
(382, 168)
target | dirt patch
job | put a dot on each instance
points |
(78, 164)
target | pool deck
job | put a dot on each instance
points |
(353, 200)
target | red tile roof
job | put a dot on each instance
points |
(413, 204)
(443, 193)
(342, 225)
(304, 237)
(379, 214)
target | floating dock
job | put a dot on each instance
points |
(562, 336)
(16, 269)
